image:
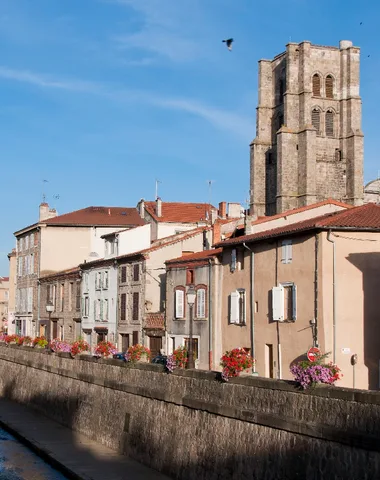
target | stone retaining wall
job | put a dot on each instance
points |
(191, 426)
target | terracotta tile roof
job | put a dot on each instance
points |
(203, 255)
(365, 217)
(177, 212)
(154, 320)
(61, 273)
(329, 201)
(4, 279)
(91, 216)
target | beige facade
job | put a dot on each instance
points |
(63, 291)
(309, 142)
(309, 318)
(4, 303)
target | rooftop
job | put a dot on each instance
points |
(178, 212)
(365, 217)
(204, 255)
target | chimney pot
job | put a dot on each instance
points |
(222, 209)
(159, 207)
(141, 207)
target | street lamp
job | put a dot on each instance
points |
(50, 310)
(191, 294)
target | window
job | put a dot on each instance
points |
(105, 309)
(50, 294)
(233, 260)
(284, 302)
(286, 251)
(26, 242)
(123, 306)
(237, 307)
(85, 279)
(136, 272)
(135, 337)
(200, 306)
(77, 303)
(135, 306)
(329, 123)
(190, 276)
(123, 274)
(98, 280)
(105, 280)
(316, 120)
(86, 306)
(20, 244)
(240, 256)
(71, 292)
(31, 263)
(30, 300)
(179, 303)
(329, 86)
(31, 240)
(195, 347)
(98, 309)
(316, 85)
(338, 155)
(62, 296)
(26, 265)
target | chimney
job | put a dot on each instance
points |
(141, 207)
(46, 212)
(214, 215)
(109, 212)
(159, 207)
(216, 233)
(222, 209)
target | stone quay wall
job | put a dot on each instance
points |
(190, 426)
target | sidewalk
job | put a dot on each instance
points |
(70, 452)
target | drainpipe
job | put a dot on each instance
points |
(252, 305)
(334, 295)
(210, 325)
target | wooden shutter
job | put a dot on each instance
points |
(105, 309)
(234, 307)
(201, 303)
(101, 309)
(135, 306)
(316, 120)
(123, 274)
(136, 272)
(286, 250)
(179, 303)
(123, 306)
(278, 304)
(329, 123)
(316, 85)
(329, 86)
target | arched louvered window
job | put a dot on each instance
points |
(316, 120)
(316, 85)
(329, 86)
(329, 125)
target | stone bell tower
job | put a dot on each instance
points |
(309, 142)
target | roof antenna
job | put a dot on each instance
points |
(43, 191)
(208, 209)
(157, 182)
(56, 197)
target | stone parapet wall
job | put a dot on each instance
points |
(191, 426)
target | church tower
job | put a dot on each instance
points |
(309, 142)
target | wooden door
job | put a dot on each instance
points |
(155, 345)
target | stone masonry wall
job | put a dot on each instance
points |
(191, 426)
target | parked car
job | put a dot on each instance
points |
(160, 359)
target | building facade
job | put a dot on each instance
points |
(202, 271)
(55, 243)
(309, 142)
(12, 291)
(4, 303)
(310, 283)
(62, 291)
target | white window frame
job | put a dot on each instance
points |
(201, 306)
(278, 302)
(235, 315)
(179, 300)
(105, 309)
(286, 251)
(105, 280)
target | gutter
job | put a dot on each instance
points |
(252, 306)
(334, 294)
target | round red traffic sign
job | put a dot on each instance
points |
(313, 353)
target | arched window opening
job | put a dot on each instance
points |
(329, 123)
(329, 86)
(316, 120)
(316, 85)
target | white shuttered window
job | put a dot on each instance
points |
(179, 304)
(201, 303)
(287, 251)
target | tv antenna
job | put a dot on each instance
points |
(43, 190)
(157, 182)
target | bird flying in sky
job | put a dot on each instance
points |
(228, 42)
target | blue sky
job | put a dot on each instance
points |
(101, 97)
